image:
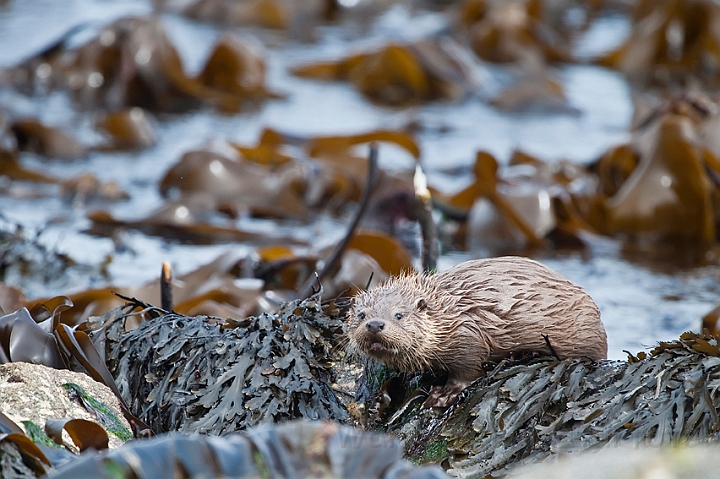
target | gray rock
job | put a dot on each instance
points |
(32, 392)
(679, 462)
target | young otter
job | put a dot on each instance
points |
(476, 311)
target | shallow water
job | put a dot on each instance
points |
(640, 304)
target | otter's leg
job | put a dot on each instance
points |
(470, 347)
(444, 396)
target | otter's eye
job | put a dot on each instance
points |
(398, 316)
(361, 316)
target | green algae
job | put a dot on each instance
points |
(37, 435)
(104, 413)
(435, 452)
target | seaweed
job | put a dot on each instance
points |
(37, 435)
(26, 263)
(522, 413)
(102, 412)
(300, 449)
(199, 374)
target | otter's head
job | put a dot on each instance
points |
(390, 324)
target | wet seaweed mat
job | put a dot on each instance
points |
(201, 374)
(296, 450)
(524, 413)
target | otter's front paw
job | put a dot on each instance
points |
(444, 396)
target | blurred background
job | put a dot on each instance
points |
(230, 139)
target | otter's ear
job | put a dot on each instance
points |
(421, 304)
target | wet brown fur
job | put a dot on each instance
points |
(477, 311)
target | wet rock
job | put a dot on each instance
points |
(32, 394)
(697, 461)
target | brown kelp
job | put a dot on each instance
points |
(403, 75)
(132, 63)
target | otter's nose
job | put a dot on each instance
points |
(375, 326)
